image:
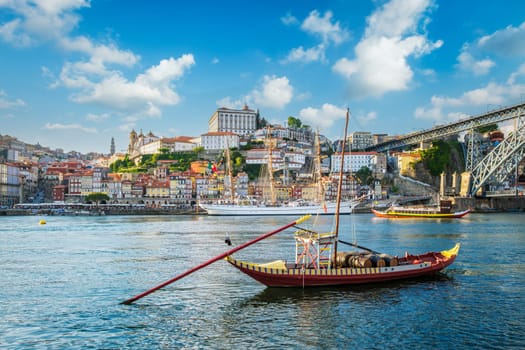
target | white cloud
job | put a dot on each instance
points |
(39, 20)
(151, 89)
(7, 116)
(323, 27)
(381, 57)
(58, 126)
(289, 19)
(5, 102)
(396, 18)
(516, 74)
(367, 117)
(274, 92)
(312, 54)
(323, 117)
(491, 96)
(227, 102)
(466, 62)
(215, 60)
(97, 117)
(127, 126)
(508, 42)
(100, 55)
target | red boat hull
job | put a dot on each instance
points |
(412, 266)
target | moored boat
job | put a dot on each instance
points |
(443, 211)
(281, 274)
(292, 208)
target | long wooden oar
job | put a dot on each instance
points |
(218, 257)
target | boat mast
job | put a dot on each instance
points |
(229, 171)
(318, 180)
(270, 165)
(340, 184)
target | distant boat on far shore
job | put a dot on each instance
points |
(443, 211)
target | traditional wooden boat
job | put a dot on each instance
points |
(443, 211)
(373, 270)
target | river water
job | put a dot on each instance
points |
(62, 283)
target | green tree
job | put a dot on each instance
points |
(437, 157)
(96, 197)
(294, 122)
(364, 175)
(253, 170)
(198, 150)
(260, 122)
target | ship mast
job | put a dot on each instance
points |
(270, 165)
(340, 184)
(318, 179)
(229, 168)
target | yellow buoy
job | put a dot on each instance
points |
(43, 222)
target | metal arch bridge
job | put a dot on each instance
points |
(496, 165)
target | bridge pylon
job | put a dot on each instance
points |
(500, 162)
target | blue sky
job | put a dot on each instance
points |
(75, 73)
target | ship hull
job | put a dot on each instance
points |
(411, 215)
(255, 210)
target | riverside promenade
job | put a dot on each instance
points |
(476, 205)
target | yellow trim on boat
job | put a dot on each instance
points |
(277, 264)
(303, 219)
(451, 252)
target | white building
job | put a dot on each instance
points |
(219, 140)
(238, 121)
(304, 135)
(280, 159)
(173, 144)
(354, 161)
(9, 184)
(360, 140)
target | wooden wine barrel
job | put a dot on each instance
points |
(359, 261)
(377, 261)
(341, 260)
(390, 260)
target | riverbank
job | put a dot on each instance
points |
(476, 205)
(491, 204)
(102, 212)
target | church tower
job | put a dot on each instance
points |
(132, 141)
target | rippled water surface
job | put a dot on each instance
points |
(62, 283)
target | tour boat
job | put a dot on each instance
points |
(443, 211)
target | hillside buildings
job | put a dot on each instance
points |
(292, 157)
